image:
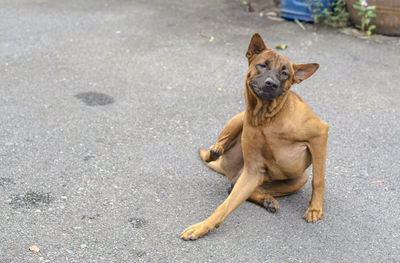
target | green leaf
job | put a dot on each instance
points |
(299, 24)
(281, 46)
(336, 16)
(372, 27)
(370, 13)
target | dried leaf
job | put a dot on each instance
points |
(34, 248)
(271, 13)
(276, 18)
(379, 181)
(210, 38)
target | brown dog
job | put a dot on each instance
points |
(265, 150)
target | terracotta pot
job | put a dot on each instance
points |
(387, 18)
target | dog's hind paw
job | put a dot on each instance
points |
(272, 206)
(216, 150)
(212, 154)
(206, 156)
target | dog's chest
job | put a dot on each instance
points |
(280, 149)
(282, 153)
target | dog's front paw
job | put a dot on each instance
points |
(313, 214)
(195, 231)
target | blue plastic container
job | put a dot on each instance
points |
(299, 9)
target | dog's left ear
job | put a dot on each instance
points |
(256, 46)
(303, 71)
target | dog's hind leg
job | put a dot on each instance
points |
(215, 165)
(226, 139)
(262, 198)
(264, 194)
(285, 187)
(230, 163)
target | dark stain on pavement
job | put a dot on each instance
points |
(90, 217)
(30, 199)
(138, 253)
(94, 98)
(4, 181)
(88, 157)
(137, 222)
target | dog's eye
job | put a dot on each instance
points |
(284, 75)
(262, 67)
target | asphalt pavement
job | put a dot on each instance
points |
(103, 105)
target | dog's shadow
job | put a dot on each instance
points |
(298, 201)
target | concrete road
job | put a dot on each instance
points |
(103, 105)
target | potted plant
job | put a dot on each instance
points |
(386, 19)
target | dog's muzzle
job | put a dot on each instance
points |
(267, 89)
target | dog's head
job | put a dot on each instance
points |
(271, 74)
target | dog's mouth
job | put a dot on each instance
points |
(265, 92)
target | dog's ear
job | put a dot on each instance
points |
(303, 71)
(256, 46)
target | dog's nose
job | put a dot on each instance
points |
(270, 83)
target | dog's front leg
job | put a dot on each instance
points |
(244, 187)
(317, 146)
